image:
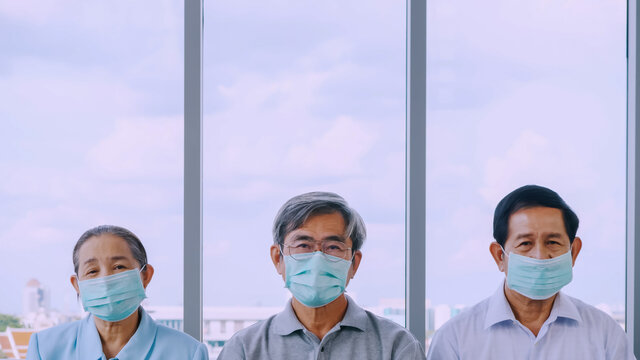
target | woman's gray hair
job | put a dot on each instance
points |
(135, 245)
(298, 209)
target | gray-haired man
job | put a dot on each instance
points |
(317, 239)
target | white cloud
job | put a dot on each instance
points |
(338, 151)
(115, 16)
(33, 12)
(34, 229)
(140, 148)
(36, 91)
(528, 161)
(217, 249)
(284, 134)
(552, 34)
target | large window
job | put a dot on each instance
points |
(515, 100)
(91, 124)
(303, 96)
(298, 97)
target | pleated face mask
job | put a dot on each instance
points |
(114, 297)
(539, 279)
(316, 279)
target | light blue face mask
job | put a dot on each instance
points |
(539, 279)
(314, 280)
(114, 297)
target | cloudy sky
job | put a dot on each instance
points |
(302, 96)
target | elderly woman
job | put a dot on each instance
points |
(111, 276)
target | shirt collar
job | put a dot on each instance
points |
(286, 322)
(355, 316)
(90, 346)
(499, 309)
(142, 340)
(563, 307)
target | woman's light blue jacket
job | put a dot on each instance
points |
(79, 340)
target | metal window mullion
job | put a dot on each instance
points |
(192, 297)
(415, 191)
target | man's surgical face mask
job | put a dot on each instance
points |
(316, 279)
(538, 279)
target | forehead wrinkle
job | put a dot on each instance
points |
(554, 234)
(305, 237)
(524, 236)
(335, 238)
(112, 258)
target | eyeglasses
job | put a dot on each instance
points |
(298, 250)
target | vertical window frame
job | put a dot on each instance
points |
(416, 153)
(193, 40)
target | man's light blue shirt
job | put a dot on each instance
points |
(489, 330)
(80, 340)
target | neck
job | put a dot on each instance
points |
(115, 335)
(530, 313)
(322, 319)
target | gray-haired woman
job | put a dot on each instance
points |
(111, 275)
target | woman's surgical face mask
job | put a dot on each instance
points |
(113, 297)
(538, 279)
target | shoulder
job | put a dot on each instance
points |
(600, 326)
(167, 335)
(65, 330)
(248, 340)
(396, 339)
(389, 329)
(458, 330)
(254, 332)
(177, 337)
(468, 318)
(594, 317)
(54, 339)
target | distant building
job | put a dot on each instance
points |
(36, 308)
(15, 342)
(35, 297)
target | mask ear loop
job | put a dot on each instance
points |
(77, 282)
(504, 251)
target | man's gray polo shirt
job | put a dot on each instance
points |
(360, 335)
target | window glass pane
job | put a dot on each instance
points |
(91, 134)
(516, 100)
(300, 96)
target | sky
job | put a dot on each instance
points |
(302, 96)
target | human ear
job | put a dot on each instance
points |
(74, 283)
(576, 246)
(355, 264)
(147, 275)
(276, 259)
(498, 256)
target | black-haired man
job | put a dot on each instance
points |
(528, 317)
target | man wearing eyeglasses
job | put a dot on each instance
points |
(317, 240)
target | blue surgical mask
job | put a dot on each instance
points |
(314, 280)
(539, 279)
(114, 297)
